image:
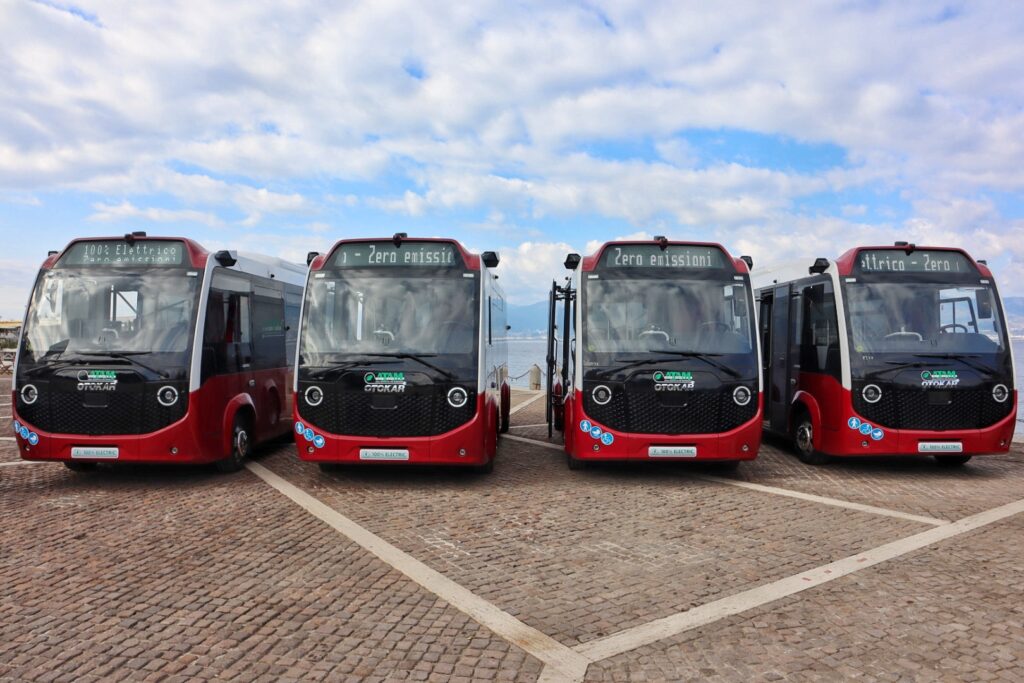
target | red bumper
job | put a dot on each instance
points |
(473, 443)
(740, 443)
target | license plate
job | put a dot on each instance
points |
(383, 454)
(940, 447)
(672, 452)
(94, 452)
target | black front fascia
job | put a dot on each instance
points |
(417, 406)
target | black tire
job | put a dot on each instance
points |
(326, 467)
(506, 420)
(575, 463)
(241, 445)
(727, 465)
(951, 460)
(803, 441)
(486, 468)
(80, 466)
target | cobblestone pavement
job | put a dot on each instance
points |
(155, 573)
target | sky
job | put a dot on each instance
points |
(782, 130)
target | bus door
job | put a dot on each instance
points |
(781, 373)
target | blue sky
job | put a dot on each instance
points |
(530, 128)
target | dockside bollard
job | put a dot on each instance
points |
(535, 377)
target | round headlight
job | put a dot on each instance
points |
(871, 393)
(29, 394)
(1000, 393)
(601, 395)
(457, 397)
(314, 396)
(741, 395)
(167, 396)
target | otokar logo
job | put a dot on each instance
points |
(673, 381)
(384, 382)
(97, 380)
(939, 379)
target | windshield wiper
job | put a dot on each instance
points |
(634, 362)
(359, 361)
(52, 365)
(126, 356)
(343, 365)
(962, 357)
(899, 365)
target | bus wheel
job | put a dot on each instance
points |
(726, 465)
(80, 466)
(327, 467)
(803, 441)
(575, 463)
(486, 468)
(951, 460)
(241, 446)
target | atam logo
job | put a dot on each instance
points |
(673, 380)
(384, 382)
(97, 380)
(939, 378)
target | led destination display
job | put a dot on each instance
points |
(898, 261)
(375, 254)
(653, 256)
(123, 253)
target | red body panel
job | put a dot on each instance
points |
(200, 436)
(834, 436)
(630, 446)
(478, 437)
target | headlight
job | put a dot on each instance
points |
(601, 395)
(741, 395)
(457, 397)
(167, 396)
(314, 396)
(871, 393)
(29, 394)
(1000, 393)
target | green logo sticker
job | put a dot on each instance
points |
(939, 378)
(385, 382)
(673, 380)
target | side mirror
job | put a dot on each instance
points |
(820, 266)
(225, 258)
(490, 259)
(572, 261)
(749, 260)
(310, 256)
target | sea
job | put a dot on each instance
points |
(523, 353)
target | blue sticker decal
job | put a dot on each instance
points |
(23, 431)
(585, 425)
(308, 434)
(299, 427)
(596, 432)
(854, 422)
(33, 438)
(607, 439)
(877, 434)
(865, 428)
(17, 427)
(319, 441)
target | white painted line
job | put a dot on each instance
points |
(6, 438)
(4, 405)
(534, 442)
(527, 402)
(566, 665)
(22, 462)
(535, 424)
(824, 500)
(645, 634)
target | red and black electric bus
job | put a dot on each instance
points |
(897, 350)
(152, 349)
(402, 356)
(659, 355)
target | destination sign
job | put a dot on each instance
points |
(375, 254)
(121, 253)
(924, 261)
(653, 256)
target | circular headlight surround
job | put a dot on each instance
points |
(596, 391)
(29, 394)
(169, 391)
(457, 397)
(864, 393)
(1000, 389)
(314, 396)
(740, 391)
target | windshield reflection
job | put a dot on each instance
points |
(900, 317)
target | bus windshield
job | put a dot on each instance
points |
(91, 313)
(924, 317)
(371, 314)
(633, 317)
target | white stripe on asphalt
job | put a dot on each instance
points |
(824, 500)
(21, 462)
(6, 438)
(565, 664)
(534, 442)
(645, 634)
(536, 424)
(527, 402)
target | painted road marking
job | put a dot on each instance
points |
(529, 401)
(824, 500)
(534, 442)
(537, 424)
(6, 438)
(645, 634)
(565, 664)
(21, 462)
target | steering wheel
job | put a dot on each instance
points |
(715, 324)
(904, 334)
(654, 330)
(954, 326)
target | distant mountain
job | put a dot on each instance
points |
(1014, 306)
(530, 320)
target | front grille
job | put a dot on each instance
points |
(132, 409)
(638, 409)
(420, 411)
(911, 408)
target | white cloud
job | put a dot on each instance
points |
(128, 211)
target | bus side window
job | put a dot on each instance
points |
(292, 306)
(268, 328)
(819, 341)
